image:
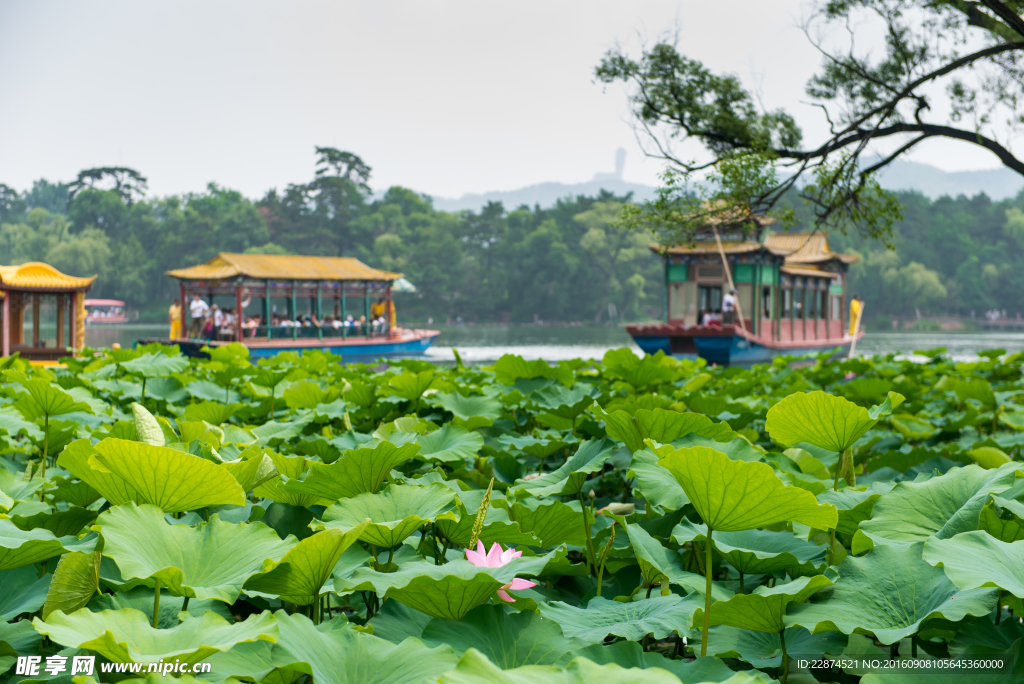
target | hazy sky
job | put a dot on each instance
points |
(445, 97)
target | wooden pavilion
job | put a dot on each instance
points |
(38, 292)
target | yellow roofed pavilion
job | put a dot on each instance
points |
(48, 298)
(227, 266)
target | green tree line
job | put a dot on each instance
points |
(567, 263)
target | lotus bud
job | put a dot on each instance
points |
(478, 524)
(619, 509)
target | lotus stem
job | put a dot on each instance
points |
(184, 604)
(481, 513)
(707, 599)
(315, 610)
(46, 446)
(156, 602)
(604, 558)
(785, 656)
(742, 591)
(391, 555)
(592, 561)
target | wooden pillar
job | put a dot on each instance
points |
(387, 310)
(239, 318)
(792, 311)
(366, 306)
(7, 324)
(319, 314)
(35, 319)
(757, 300)
(293, 313)
(184, 309)
(803, 310)
(842, 309)
(266, 307)
(778, 301)
(344, 314)
(60, 320)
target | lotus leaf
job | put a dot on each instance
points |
(21, 547)
(394, 513)
(755, 552)
(764, 610)
(209, 561)
(658, 564)
(662, 426)
(629, 654)
(474, 668)
(75, 580)
(764, 649)
(450, 444)
(126, 636)
(737, 495)
(169, 479)
(889, 593)
(358, 470)
(1003, 519)
(568, 479)
(300, 575)
(976, 559)
(940, 507)
(824, 420)
(551, 521)
(22, 590)
(470, 411)
(659, 616)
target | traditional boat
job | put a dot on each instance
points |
(330, 289)
(105, 312)
(53, 302)
(791, 296)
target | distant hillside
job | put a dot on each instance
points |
(933, 182)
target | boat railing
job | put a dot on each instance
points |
(312, 332)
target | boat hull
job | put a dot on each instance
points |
(406, 343)
(728, 345)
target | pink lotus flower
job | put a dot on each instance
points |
(495, 558)
(850, 376)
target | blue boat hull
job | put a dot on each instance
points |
(371, 349)
(732, 349)
(409, 343)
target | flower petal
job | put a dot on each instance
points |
(504, 596)
(476, 559)
(494, 559)
(518, 584)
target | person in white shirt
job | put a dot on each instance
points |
(729, 308)
(198, 308)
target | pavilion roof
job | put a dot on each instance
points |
(283, 267)
(35, 275)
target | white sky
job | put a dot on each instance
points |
(442, 96)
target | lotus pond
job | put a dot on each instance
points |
(624, 520)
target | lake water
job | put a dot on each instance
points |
(485, 343)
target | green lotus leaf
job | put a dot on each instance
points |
(41, 399)
(334, 653)
(446, 591)
(764, 649)
(976, 559)
(1003, 519)
(211, 391)
(638, 372)
(739, 495)
(630, 654)
(276, 432)
(551, 521)
(508, 638)
(126, 636)
(565, 402)
(75, 580)
(854, 505)
(498, 527)
(141, 598)
(656, 484)
(824, 420)
(511, 367)
(1012, 419)
(889, 593)
(941, 507)
(989, 457)
(22, 590)
(977, 389)
(61, 521)
(6, 502)
(252, 470)
(450, 444)
(475, 668)
(21, 547)
(167, 478)
(568, 479)
(540, 448)
(394, 513)
(984, 633)
(209, 561)
(300, 575)
(660, 616)
(758, 552)
(913, 429)
(147, 428)
(411, 386)
(155, 365)
(764, 610)
(470, 412)
(357, 471)
(305, 394)
(212, 412)
(658, 564)
(662, 426)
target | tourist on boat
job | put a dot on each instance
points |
(174, 315)
(377, 309)
(729, 308)
(226, 331)
(250, 326)
(198, 308)
(855, 307)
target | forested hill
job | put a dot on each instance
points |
(566, 263)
